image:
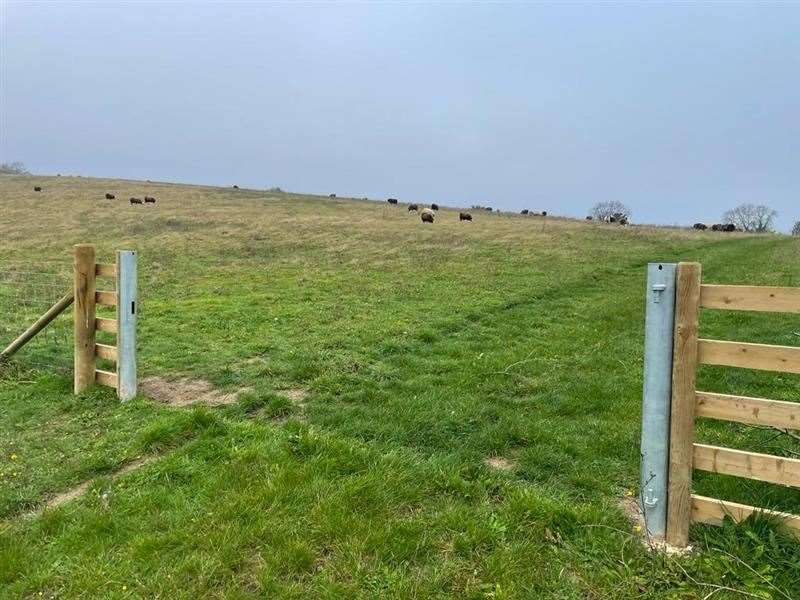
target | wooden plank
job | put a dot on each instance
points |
(126, 320)
(109, 325)
(105, 351)
(748, 297)
(712, 512)
(764, 357)
(40, 324)
(684, 374)
(84, 316)
(743, 409)
(751, 465)
(105, 270)
(105, 298)
(106, 378)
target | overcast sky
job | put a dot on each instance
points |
(678, 110)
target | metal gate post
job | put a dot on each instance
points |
(659, 325)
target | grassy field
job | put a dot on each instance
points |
(420, 411)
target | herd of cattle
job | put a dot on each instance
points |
(427, 215)
(716, 227)
(133, 200)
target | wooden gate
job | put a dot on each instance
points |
(685, 455)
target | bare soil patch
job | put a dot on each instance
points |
(186, 392)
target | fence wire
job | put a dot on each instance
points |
(26, 292)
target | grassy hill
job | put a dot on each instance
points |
(403, 410)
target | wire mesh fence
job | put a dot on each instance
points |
(27, 290)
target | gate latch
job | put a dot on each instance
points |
(658, 290)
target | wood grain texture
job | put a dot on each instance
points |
(106, 378)
(107, 325)
(105, 270)
(762, 357)
(713, 512)
(743, 409)
(684, 374)
(84, 316)
(105, 351)
(105, 298)
(751, 465)
(747, 297)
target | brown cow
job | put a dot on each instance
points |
(412, 207)
(427, 215)
(462, 216)
(149, 199)
(110, 196)
(37, 189)
(136, 200)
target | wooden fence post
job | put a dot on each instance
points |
(84, 316)
(684, 386)
(127, 308)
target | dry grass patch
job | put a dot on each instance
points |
(186, 392)
(499, 463)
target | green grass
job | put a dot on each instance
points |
(423, 351)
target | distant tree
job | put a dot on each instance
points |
(796, 229)
(751, 217)
(13, 168)
(603, 211)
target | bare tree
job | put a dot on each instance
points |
(603, 211)
(749, 217)
(14, 168)
(796, 229)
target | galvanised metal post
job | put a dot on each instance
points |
(127, 310)
(659, 324)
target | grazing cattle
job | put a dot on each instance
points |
(544, 213)
(136, 200)
(37, 189)
(590, 218)
(110, 196)
(700, 226)
(236, 187)
(524, 211)
(729, 227)
(392, 200)
(462, 216)
(412, 207)
(427, 215)
(150, 199)
(434, 207)
(331, 195)
(716, 227)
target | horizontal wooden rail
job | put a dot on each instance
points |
(105, 270)
(753, 411)
(105, 298)
(752, 465)
(785, 359)
(105, 351)
(105, 378)
(747, 297)
(109, 325)
(713, 512)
